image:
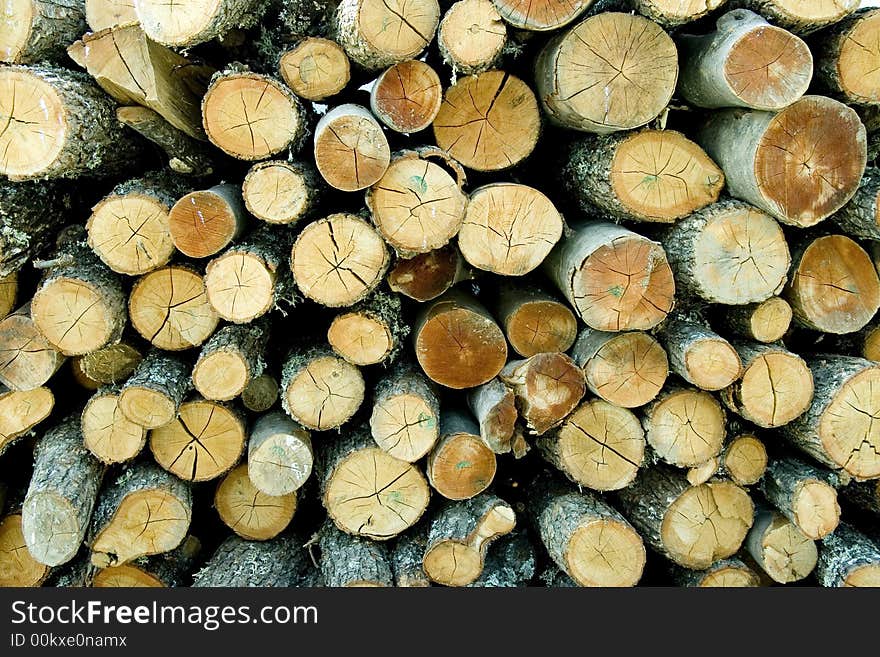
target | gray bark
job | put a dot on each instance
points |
(349, 560)
(280, 562)
(842, 552)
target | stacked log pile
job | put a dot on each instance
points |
(409, 293)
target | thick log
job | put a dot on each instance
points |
(191, 24)
(780, 548)
(350, 149)
(461, 465)
(230, 360)
(281, 562)
(407, 96)
(698, 355)
(428, 275)
(493, 404)
(803, 493)
(17, 566)
(801, 16)
(848, 558)
(281, 192)
(847, 56)
(204, 222)
(152, 395)
(108, 434)
(765, 321)
(724, 573)
(685, 426)
(249, 512)
(39, 30)
(534, 321)
(547, 387)
(371, 332)
(472, 36)
(280, 456)
(351, 561)
(405, 420)
(186, 156)
(162, 570)
(315, 68)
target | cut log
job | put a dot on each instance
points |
(508, 229)
(169, 307)
(109, 13)
(152, 395)
(406, 559)
(260, 394)
(693, 526)
(600, 446)
(350, 149)
(27, 360)
(547, 387)
(509, 563)
(371, 332)
(834, 286)
(488, 122)
(764, 157)
(780, 548)
(38, 30)
(611, 72)
(745, 62)
(540, 15)
(315, 68)
(460, 536)
(724, 573)
(615, 279)
(129, 228)
(700, 474)
(21, 411)
(406, 96)
(801, 16)
(627, 369)
(320, 390)
(62, 126)
(685, 426)
(700, 356)
(848, 557)
(728, 253)
(109, 435)
(744, 459)
(493, 404)
(472, 36)
(585, 537)
(534, 321)
(338, 260)
(163, 570)
(350, 561)
(281, 562)
(418, 205)
(838, 429)
(457, 343)
(280, 456)
(847, 57)
(144, 511)
(17, 567)
(230, 360)
(672, 13)
(185, 155)
(405, 421)
(860, 217)
(776, 386)
(202, 443)
(251, 116)
(61, 495)
(378, 34)
(191, 24)
(803, 493)
(249, 512)
(366, 491)
(428, 275)
(280, 192)
(204, 222)
(766, 321)
(651, 175)
(461, 465)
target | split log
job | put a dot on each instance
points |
(350, 149)
(472, 36)
(27, 360)
(461, 465)
(281, 562)
(488, 122)
(406, 559)
(249, 512)
(615, 279)
(510, 562)
(780, 548)
(838, 429)
(320, 390)
(428, 275)
(169, 307)
(693, 526)
(860, 217)
(61, 495)
(109, 13)
(540, 15)
(251, 116)
(378, 34)
(508, 229)
(579, 80)
(315, 68)
(460, 536)
(191, 24)
(280, 192)
(418, 204)
(260, 394)
(801, 16)
(17, 567)
(700, 356)
(764, 156)
(202, 443)
(350, 561)
(108, 434)
(745, 62)
(765, 321)
(803, 493)
(848, 558)
(280, 455)
(338, 260)
(685, 426)
(405, 421)
(651, 175)
(366, 491)
(847, 56)
(62, 126)
(186, 156)
(627, 369)
(834, 286)
(152, 395)
(39, 30)
(229, 360)
(547, 387)
(534, 321)
(585, 537)
(21, 411)
(493, 404)
(406, 96)
(371, 332)
(144, 511)
(744, 459)
(600, 446)
(776, 385)
(204, 222)
(162, 570)
(724, 573)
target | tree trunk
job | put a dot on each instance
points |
(108, 434)
(803, 493)
(780, 548)
(152, 395)
(800, 16)
(192, 24)
(405, 421)
(205, 222)
(230, 360)
(350, 149)
(17, 567)
(162, 570)
(534, 321)
(237, 563)
(848, 558)
(700, 356)
(315, 68)
(845, 66)
(27, 360)
(428, 275)
(493, 405)
(186, 156)
(280, 455)
(724, 573)
(472, 36)
(249, 512)
(371, 332)
(39, 30)
(766, 321)
(350, 561)
(685, 426)
(406, 96)
(461, 465)
(281, 192)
